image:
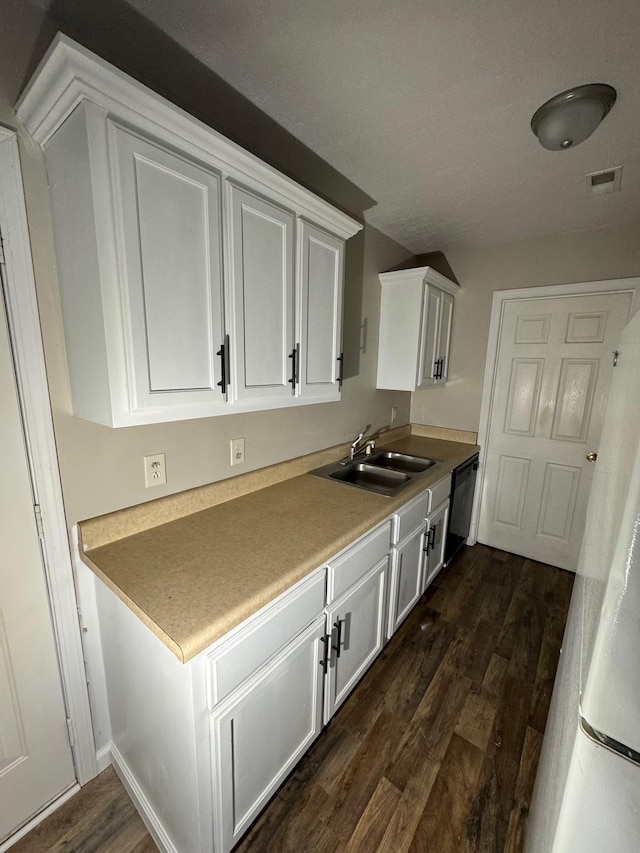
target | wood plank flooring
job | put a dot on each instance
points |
(100, 818)
(436, 750)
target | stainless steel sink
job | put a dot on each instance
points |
(401, 462)
(384, 473)
(370, 477)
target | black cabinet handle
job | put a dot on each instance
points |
(223, 352)
(340, 361)
(325, 657)
(338, 626)
(295, 352)
(430, 540)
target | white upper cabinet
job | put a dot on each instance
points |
(195, 279)
(261, 298)
(171, 239)
(322, 275)
(416, 319)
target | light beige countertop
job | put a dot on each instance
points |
(192, 579)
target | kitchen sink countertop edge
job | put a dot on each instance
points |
(193, 579)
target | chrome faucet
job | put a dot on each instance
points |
(367, 448)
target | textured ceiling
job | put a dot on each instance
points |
(426, 105)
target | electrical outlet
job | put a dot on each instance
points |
(394, 414)
(155, 470)
(237, 451)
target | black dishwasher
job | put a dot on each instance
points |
(463, 483)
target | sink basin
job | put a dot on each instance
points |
(400, 462)
(385, 473)
(371, 477)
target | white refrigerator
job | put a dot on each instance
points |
(587, 792)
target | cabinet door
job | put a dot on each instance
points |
(406, 576)
(167, 211)
(435, 542)
(356, 624)
(261, 730)
(444, 336)
(429, 336)
(262, 298)
(322, 274)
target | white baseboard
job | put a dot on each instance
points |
(103, 758)
(50, 809)
(140, 801)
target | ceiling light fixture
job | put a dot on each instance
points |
(569, 118)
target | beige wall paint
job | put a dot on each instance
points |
(561, 259)
(102, 468)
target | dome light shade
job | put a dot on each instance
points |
(569, 118)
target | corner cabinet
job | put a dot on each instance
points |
(195, 279)
(416, 321)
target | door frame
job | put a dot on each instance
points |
(500, 298)
(33, 393)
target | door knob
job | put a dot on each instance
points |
(592, 456)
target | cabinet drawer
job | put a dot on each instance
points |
(258, 639)
(440, 491)
(349, 566)
(411, 514)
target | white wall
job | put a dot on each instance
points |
(580, 256)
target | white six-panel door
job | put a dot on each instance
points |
(553, 370)
(35, 757)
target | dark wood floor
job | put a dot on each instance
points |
(98, 819)
(435, 751)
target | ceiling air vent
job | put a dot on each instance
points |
(607, 181)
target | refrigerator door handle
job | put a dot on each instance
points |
(610, 743)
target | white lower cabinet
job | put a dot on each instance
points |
(355, 625)
(406, 577)
(204, 745)
(434, 543)
(261, 731)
